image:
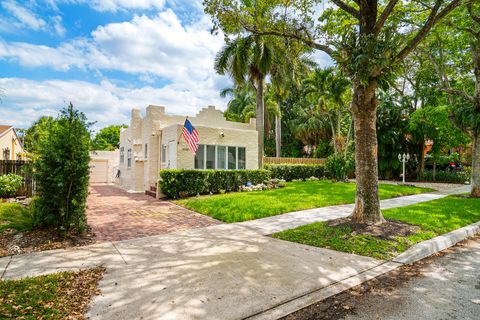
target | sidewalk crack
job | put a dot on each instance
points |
(6, 267)
(113, 244)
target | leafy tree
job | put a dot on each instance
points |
(36, 133)
(107, 138)
(62, 171)
(433, 124)
(367, 39)
(455, 54)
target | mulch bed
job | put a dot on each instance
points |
(13, 242)
(64, 295)
(386, 231)
(343, 304)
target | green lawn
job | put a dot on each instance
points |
(242, 206)
(56, 296)
(434, 217)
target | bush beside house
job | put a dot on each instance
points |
(183, 183)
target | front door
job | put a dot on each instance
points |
(172, 155)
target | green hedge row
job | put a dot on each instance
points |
(446, 176)
(183, 183)
(290, 172)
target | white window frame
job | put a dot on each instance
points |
(216, 157)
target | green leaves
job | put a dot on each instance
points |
(107, 138)
(62, 171)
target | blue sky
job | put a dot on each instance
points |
(106, 57)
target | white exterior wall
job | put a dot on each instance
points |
(112, 159)
(158, 128)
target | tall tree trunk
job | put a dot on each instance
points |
(364, 106)
(278, 134)
(475, 192)
(259, 121)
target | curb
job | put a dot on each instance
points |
(427, 248)
(415, 253)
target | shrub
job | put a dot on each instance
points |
(338, 167)
(289, 172)
(9, 185)
(182, 183)
(18, 217)
(62, 171)
(446, 176)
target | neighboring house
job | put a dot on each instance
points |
(103, 166)
(10, 146)
(155, 142)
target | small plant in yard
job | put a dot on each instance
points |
(18, 217)
(62, 171)
(9, 185)
(339, 167)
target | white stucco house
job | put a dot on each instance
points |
(154, 142)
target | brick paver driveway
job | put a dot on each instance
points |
(115, 214)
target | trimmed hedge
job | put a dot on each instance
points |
(446, 176)
(183, 183)
(290, 172)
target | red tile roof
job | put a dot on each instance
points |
(4, 129)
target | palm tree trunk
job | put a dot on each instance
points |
(259, 121)
(278, 134)
(367, 203)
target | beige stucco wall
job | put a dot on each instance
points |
(16, 149)
(157, 128)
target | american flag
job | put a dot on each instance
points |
(190, 134)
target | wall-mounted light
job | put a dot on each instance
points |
(222, 134)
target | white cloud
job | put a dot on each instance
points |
(159, 46)
(26, 100)
(23, 15)
(58, 26)
(115, 5)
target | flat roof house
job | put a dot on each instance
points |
(155, 142)
(10, 146)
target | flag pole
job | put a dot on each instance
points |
(180, 136)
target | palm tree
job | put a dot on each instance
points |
(327, 92)
(287, 72)
(249, 59)
(242, 101)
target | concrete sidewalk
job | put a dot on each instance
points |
(219, 272)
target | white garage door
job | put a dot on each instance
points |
(98, 171)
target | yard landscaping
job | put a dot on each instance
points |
(237, 207)
(405, 226)
(64, 295)
(20, 234)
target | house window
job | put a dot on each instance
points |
(164, 153)
(210, 157)
(146, 151)
(122, 155)
(232, 158)
(200, 157)
(241, 163)
(129, 158)
(220, 157)
(6, 154)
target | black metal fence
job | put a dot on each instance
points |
(20, 168)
